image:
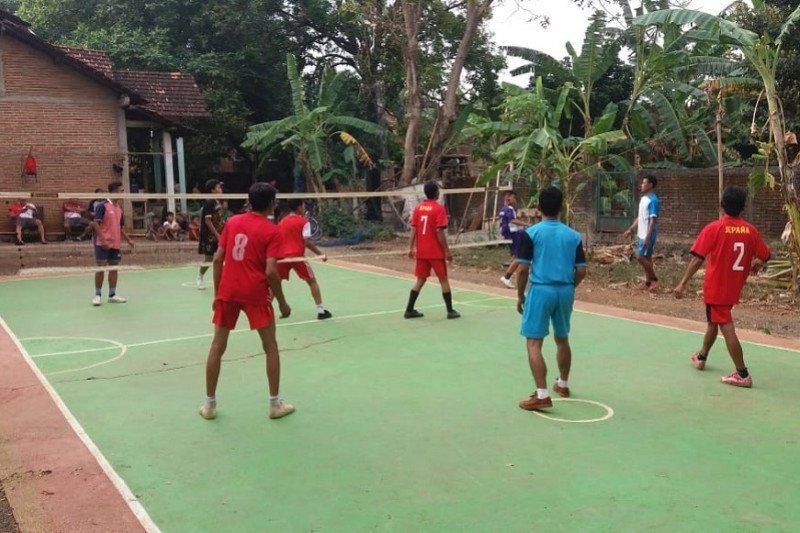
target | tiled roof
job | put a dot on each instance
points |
(97, 59)
(169, 94)
(8, 17)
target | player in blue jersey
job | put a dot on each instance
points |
(646, 226)
(552, 254)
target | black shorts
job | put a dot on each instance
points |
(26, 223)
(207, 247)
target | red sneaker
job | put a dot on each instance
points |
(698, 363)
(534, 403)
(737, 381)
(561, 391)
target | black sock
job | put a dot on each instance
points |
(448, 300)
(743, 373)
(412, 299)
(702, 356)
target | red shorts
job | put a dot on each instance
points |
(719, 314)
(301, 268)
(424, 266)
(226, 314)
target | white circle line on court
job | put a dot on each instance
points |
(609, 412)
(123, 349)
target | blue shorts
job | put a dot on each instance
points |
(546, 303)
(641, 251)
(112, 254)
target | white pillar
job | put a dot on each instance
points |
(181, 171)
(169, 173)
(122, 134)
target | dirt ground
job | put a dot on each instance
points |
(762, 309)
(7, 522)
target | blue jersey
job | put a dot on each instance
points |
(554, 250)
(507, 214)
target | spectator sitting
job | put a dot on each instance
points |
(172, 230)
(26, 219)
(75, 220)
(154, 229)
(225, 213)
(194, 228)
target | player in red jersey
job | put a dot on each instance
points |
(245, 279)
(296, 237)
(732, 249)
(429, 223)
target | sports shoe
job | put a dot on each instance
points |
(97, 300)
(737, 381)
(413, 314)
(507, 282)
(116, 299)
(324, 315)
(698, 363)
(280, 410)
(534, 403)
(653, 286)
(453, 314)
(201, 286)
(561, 391)
(208, 412)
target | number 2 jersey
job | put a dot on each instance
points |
(429, 216)
(728, 245)
(248, 239)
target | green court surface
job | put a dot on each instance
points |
(412, 425)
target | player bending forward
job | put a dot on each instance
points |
(245, 269)
(732, 249)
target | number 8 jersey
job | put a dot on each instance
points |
(248, 240)
(728, 245)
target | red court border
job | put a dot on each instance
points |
(52, 480)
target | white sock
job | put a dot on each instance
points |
(542, 393)
(211, 401)
(274, 400)
(562, 383)
(320, 308)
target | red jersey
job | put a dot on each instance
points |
(248, 240)
(728, 245)
(427, 218)
(294, 231)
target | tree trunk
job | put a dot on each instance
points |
(448, 112)
(788, 180)
(412, 12)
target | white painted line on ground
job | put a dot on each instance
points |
(133, 502)
(609, 412)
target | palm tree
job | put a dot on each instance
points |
(308, 132)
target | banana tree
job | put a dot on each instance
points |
(600, 49)
(309, 132)
(762, 53)
(536, 149)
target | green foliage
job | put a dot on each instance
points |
(337, 221)
(309, 132)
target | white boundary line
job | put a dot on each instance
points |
(609, 412)
(131, 500)
(123, 349)
(207, 335)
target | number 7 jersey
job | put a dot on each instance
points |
(728, 245)
(428, 217)
(248, 240)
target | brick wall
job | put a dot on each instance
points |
(68, 119)
(689, 200)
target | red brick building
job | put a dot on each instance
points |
(85, 123)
